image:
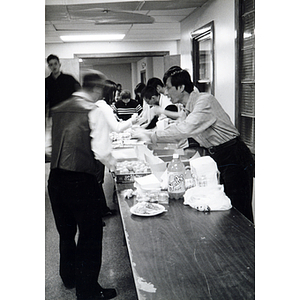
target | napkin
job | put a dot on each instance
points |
(164, 180)
(152, 160)
(148, 182)
(124, 153)
(141, 151)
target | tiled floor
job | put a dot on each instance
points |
(115, 271)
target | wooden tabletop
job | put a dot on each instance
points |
(185, 254)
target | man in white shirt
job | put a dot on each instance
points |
(160, 106)
(156, 101)
(211, 127)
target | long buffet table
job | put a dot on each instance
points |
(186, 254)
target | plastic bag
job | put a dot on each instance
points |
(207, 198)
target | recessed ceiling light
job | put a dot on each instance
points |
(92, 38)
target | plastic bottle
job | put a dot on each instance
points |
(189, 178)
(176, 178)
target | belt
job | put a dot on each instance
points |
(212, 150)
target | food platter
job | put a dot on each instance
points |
(127, 170)
(147, 209)
(127, 143)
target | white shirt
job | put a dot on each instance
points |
(164, 101)
(102, 122)
(145, 115)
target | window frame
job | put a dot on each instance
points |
(201, 34)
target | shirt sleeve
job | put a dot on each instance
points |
(110, 118)
(102, 121)
(196, 122)
(99, 139)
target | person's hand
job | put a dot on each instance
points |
(182, 115)
(157, 110)
(134, 118)
(142, 135)
(112, 164)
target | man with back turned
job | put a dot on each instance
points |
(74, 191)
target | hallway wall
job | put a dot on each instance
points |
(222, 13)
(120, 73)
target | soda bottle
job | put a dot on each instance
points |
(176, 178)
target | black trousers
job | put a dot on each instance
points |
(236, 166)
(75, 204)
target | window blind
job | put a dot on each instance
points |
(246, 69)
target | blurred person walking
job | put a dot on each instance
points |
(59, 86)
(74, 190)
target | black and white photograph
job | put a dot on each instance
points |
(150, 192)
(153, 169)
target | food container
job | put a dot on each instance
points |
(166, 146)
(157, 196)
(127, 170)
(163, 152)
(121, 136)
(168, 158)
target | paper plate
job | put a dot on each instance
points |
(147, 209)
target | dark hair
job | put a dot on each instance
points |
(52, 56)
(154, 81)
(148, 92)
(169, 71)
(109, 91)
(92, 80)
(181, 77)
(125, 95)
(139, 87)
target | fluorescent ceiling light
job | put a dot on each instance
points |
(92, 38)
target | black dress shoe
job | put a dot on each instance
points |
(102, 294)
(107, 293)
(69, 285)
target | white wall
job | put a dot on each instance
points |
(67, 50)
(145, 64)
(119, 73)
(222, 13)
(158, 67)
